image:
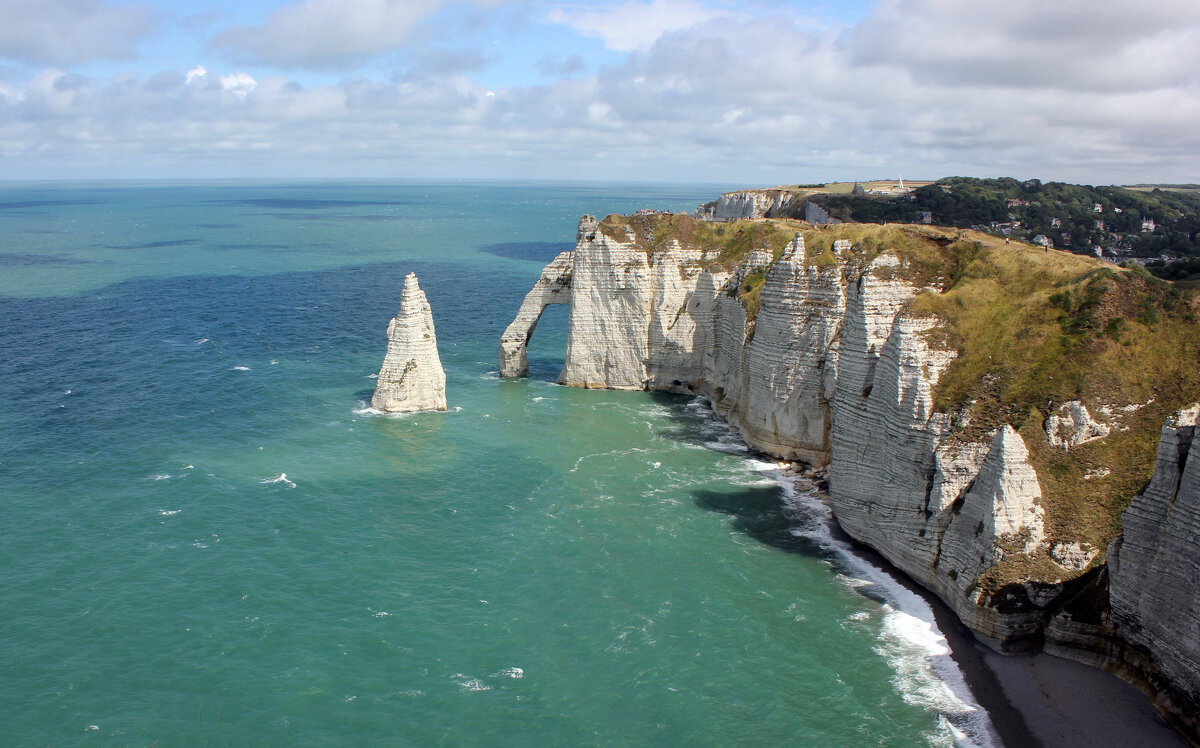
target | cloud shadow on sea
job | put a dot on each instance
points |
(155, 245)
(249, 245)
(30, 260)
(23, 206)
(283, 203)
(542, 252)
(326, 217)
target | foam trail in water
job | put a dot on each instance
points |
(281, 478)
(910, 641)
(366, 410)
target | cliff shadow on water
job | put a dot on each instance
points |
(758, 511)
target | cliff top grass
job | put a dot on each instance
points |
(1034, 329)
(722, 244)
(840, 188)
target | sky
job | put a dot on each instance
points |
(748, 93)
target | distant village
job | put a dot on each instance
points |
(1099, 227)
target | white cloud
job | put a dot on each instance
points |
(72, 32)
(751, 101)
(633, 24)
(325, 34)
(239, 84)
(1106, 46)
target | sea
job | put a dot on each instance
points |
(207, 537)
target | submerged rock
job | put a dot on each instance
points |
(411, 378)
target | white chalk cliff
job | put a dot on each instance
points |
(1154, 568)
(832, 372)
(750, 204)
(553, 287)
(411, 378)
(836, 371)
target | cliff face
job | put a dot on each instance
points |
(746, 204)
(554, 287)
(791, 358)
(1154, 568)
(825, 355)
(411, 378)
(830, 371)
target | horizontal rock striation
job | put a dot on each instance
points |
(745, 204)
(786, 409)
(831, 370)
(1154, 567)
(411, 378)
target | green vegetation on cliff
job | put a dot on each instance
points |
(1032, 329)
(1134, 222)
(724, 244)
(1035, 329)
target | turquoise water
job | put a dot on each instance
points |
(206, 538)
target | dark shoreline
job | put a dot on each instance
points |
(1039, 700)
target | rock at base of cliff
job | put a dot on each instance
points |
(411, 378)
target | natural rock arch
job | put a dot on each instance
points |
(553, 287)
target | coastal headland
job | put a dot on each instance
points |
(1009, 425)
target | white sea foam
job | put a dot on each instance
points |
(611, 453)
(728, 447)
(909, 640)
(161, 476)
(754, 482)
(201, 340)
(367, 410)
(273, 362)
(241, 368)
(509, 672)
(467, 683)
(169, 512)
(538, 399)
(924, 672)
(281, 478)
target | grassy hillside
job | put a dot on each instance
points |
(1065, 213)
(1034, 329)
